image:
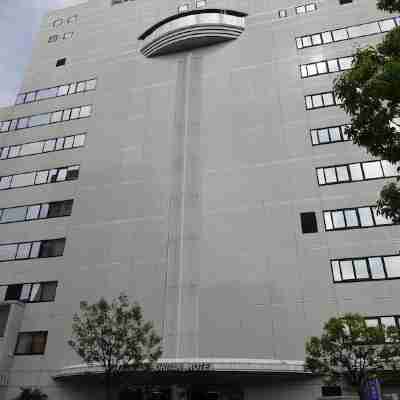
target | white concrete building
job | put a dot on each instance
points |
(192, 154)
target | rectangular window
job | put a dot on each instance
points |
(331, 134)
(39, 177)
(326, 66)
(321, 100)
(36, 211)
(383, 321)
(351, 218)
(27, 250)
(31, 343)
(57, 91)
(362, 171)
(351, 32)
(308, 222)
(37, 292)
(306, 8)
(45, 119)
(43, 146)
(4, 312)
(366, 268)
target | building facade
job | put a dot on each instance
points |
(193, 155)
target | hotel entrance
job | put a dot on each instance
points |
(183, 392)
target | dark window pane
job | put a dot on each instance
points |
(4, 311)
(39, 342)
(60, 208)
(309, 222)
(48, 291)
(52, 248)
(13, 292)
(31, 343)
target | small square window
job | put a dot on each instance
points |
(311, 7)
(30, 343)
(68, 35)
(282, 13)
(300, 9)
(53, 38)
(309, 222)
(60, 62)
(183, 8)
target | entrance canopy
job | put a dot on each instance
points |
(199, 369)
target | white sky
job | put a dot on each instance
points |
(19, 22)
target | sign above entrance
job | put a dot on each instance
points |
(183, 367)
(201, 365)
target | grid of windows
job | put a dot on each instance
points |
(33, 212)
(353, 218)
(42, 177)
(36, 292)
(46, 119)
(27, 250)
(321, 100)
(350, 32)
(57, 91)
(386, 321)
(330, 134)
(366, 268)
(43, 146)
(326, 66)
(31, 343)
(356, 172)
(306, 8)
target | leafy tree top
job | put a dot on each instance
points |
(31, 394)
(115, 335)
(389, 5)
(350, 348)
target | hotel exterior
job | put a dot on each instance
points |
(193, 155)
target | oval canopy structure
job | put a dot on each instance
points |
(190, 30)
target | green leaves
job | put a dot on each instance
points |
(31, 394)
(370, 93)
(350, 348)
(389, 5)
(115, 335)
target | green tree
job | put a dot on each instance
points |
(350, 349)
(31, 394)
(116, 336)
(370, 93)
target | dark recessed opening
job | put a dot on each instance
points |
(345, 1)
(61, 62)
(309, 222)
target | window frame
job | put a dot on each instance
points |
(360, 226)
(36, 172)
(44, 333)
(370, 277)
(41, 205)
(30, 291)
(44, 141)
(348, 167)
(30, 250)
(69, 84)
(299, 39)
(342, 129)
(65, 112)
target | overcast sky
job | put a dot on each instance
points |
(19, 23)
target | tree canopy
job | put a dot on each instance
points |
(370, 94)
(116, 336)
(350, 348)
